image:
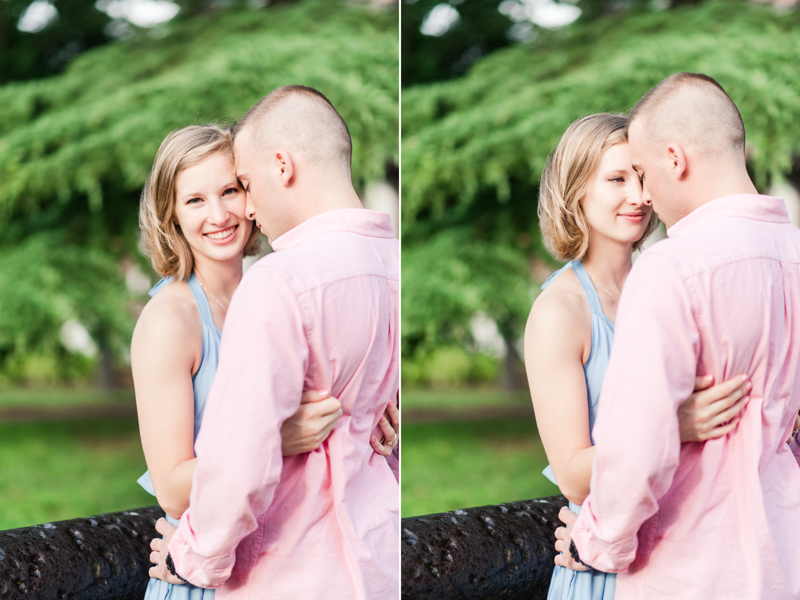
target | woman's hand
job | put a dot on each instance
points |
(390, 425)
(564, 539)
(311, 425)
(712, 412)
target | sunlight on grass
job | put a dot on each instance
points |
(51, 397)
(446, 466)
(462, 398)
(62, 470)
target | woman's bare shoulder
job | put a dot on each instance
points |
(561, 305)
(170, 313)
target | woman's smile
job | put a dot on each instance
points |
(223, 236)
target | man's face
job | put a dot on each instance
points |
(644, 160)
(253, 177)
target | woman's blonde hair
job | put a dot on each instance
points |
(162, 239)
(565, 180)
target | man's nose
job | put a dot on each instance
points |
(646, 198)
(635, 195)
(249, 208)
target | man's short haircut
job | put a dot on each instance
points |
(565, 180)
(162, 239)
(695, 108)
(299, 118)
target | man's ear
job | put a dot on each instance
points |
(285, 166)
(678, 163)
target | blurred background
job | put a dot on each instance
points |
(488, 88)
(87, 92)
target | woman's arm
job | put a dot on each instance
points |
(556, 339)
(166, 349)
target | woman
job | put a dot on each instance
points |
(194, 229)
(591, 213)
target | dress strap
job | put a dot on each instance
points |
(157, 287)
(588, 287)
(202, 301)
(556, 274)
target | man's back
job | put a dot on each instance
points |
(721, 297)
(320, 313)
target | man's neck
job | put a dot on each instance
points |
(313, 201)
(712, 186)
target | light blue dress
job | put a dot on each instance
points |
(201, 382)
(567, 584)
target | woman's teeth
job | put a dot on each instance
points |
(221, 235)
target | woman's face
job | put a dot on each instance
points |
(210, 209)
(613, 203)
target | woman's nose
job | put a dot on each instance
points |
(219, 212)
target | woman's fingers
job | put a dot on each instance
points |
(390, 432)
(703, 383)
(394, 416)
(313, 396)
(380, 448)
(726, 392)
(726, 415)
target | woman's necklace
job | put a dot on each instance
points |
(220, 303)
(601, 285)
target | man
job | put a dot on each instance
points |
(717, 519)
(321, 312)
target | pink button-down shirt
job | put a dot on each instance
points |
(322, 312)
(719, 519)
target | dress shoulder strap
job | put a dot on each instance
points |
(588, 287)
(202, 301)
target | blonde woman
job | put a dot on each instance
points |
(194, 229)
(592, 214)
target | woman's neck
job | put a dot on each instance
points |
(219, 278)
(609, 264)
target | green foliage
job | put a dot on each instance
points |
(481, 29)
(76, 148)
(100, 123)
(448, 366)
(474, 148)
(45, 283)
(452, 277)
(23, 55)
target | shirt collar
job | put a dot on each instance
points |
(747, 206)
(353, 220)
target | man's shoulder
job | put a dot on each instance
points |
(332, 256)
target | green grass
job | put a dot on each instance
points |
(62, 470)
(462, 398)
(50, 397)
(446, 466)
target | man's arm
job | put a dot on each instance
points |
(258, 384)
(651, 371)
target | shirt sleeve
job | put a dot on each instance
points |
(651, 371)
(258, 384)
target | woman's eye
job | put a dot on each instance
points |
(193, 201)
(617, 179)
(230, 191)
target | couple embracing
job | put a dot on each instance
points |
(289, 488)
(684, 489)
